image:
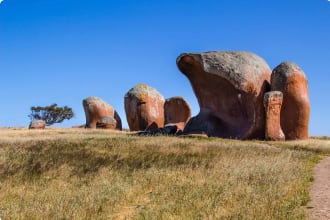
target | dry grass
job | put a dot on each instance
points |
(84, 174)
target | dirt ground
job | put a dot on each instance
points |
(319, 206)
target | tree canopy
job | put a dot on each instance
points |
(51, 114)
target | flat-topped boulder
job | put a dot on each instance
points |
(230, 87)
(290, 79)
(144, 106)
(96, 109)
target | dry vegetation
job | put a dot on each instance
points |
(83, 174)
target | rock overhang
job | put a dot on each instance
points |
(237, 67)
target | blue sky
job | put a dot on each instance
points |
(62, 51)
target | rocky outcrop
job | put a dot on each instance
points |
(177, 112)
(230, 88)
(37, 124)
(273, 102)
(144, 106)
(291, 81)
(96, 109)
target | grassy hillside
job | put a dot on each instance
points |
(83, 174)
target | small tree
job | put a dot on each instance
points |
(51, 114)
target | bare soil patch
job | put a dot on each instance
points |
(319, 206)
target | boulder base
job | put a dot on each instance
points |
(107, 122)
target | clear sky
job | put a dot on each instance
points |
(62, 51)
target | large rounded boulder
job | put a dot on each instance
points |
(230, 87)
(37, 124)
(96, 110)
(290, 79)
(144, 107)
(177, 112)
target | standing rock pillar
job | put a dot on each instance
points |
(273, 102)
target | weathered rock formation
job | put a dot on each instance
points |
(95, 109)
(291, 81)
(230, 88)
(273, 102)
(177, 112)
(107, 122)
(144, 106)
(37, 124)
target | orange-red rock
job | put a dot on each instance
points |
(177, 112)
(144, 107)
(290, 79)
(230, 87)
(95, 108)
(273, 102)
(37, 124)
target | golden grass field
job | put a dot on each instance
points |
(98, 174)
